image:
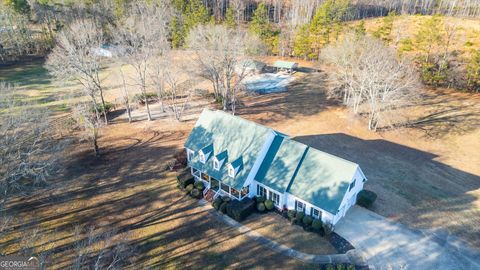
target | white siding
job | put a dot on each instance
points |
(253, 192)
(351, 196)
(290, 203)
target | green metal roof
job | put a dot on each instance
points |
(280, 163)
(239, 137)
(284, 64)
(322, 179)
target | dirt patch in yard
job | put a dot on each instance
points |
(278, 229)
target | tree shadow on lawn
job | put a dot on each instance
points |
(437, 194)
(128, 192)
(445, 113)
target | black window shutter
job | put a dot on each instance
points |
(296, 205)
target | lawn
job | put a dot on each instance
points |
(278, 229)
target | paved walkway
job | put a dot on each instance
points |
(388, 245)
(350, 257)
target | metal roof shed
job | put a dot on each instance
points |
(285, 65)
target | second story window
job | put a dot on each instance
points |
(216, 164)
(202, 157)
(231, 171)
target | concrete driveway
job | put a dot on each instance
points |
(388, 245)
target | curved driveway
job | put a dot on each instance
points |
(388, 245)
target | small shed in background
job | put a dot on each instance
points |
(285, 65)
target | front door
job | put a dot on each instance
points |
(214, 184)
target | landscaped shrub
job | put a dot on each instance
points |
(199, 185)
(299, 216)
(226, 198)
(340, 266)
(185, 178)
(196, 193)
(261, 207)
(366, 198)
(307, 220)
(327, 228)
(316, 225)
(181, 157)
(329, 267)
(189, 188)
(259, 199)
(217, 202)
(351, 267)
(239, 210)
(223, 207)
(268, 204)
(291, 214)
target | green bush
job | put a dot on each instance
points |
(140, 97)
(185, 178)
(223, 207)
(291, 214)
(261, 207)
(101, 110)
(299, 216)
(329, 267)
(259, 199)
(216, 205)
(189, 188)
(196, 193)
(199, 185)
(226, 198)
(340, 266)
(351, 267)
(268, 204)
(316, 225)
(366, 198)
(239, 210)
(327, 228)
(307, 220)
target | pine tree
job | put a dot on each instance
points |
(360, 29)
(385, 31)
(473, 72)
(321, 27)
(301, 44)
(230, 18)
(261, 26)
(193, 12)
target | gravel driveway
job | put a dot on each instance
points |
(388, 245)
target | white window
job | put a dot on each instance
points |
(261, 191)
(315, 213)
(231, 171)
(300, 207)
(216, 164)
(351, 185)
(274, 197)
(189, 154)
(202, 157)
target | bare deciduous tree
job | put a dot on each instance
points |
(126, 98)
(29, 150)
(143, 36)
(219, 54)
(179, 88)
(75, 57)
(370, 78)
(88, 123)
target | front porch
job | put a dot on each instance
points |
(218, 188)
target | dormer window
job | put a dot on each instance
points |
(189, 154)
(201, 156)
(205, 153)
(216, 164)
(231, 171)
